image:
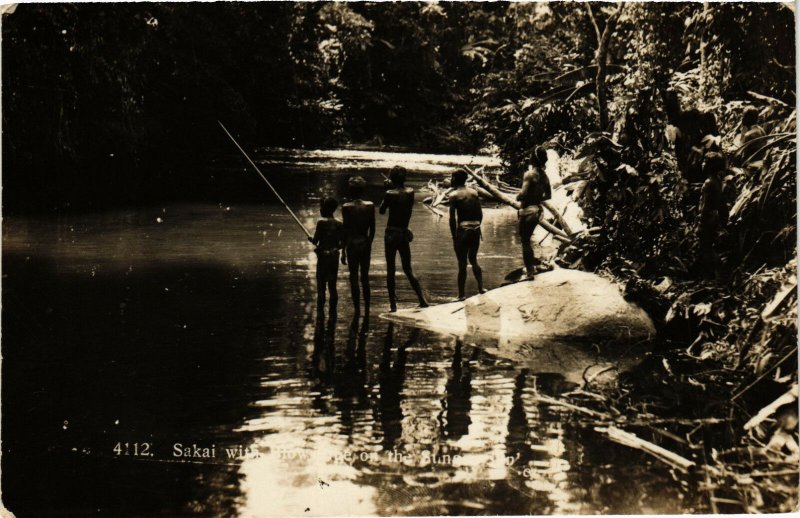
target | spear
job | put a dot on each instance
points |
(265, 179)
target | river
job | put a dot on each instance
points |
(137, 343)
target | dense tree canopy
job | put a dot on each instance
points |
(104, 102)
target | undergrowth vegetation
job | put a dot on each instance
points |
(730, 338)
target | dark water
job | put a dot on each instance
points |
(196, 325)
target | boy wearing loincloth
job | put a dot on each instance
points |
(465, 228)
(328, 239)
(359, 228)
(399, 201)
(535, 189)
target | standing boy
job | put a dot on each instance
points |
(328, 239)
(359, 229)
(535, 189)
(399, 200)
(466, 216)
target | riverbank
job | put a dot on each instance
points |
(721, 389)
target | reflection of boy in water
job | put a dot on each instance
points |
(329, 239)
(535, 189)
(399, 200)
(359, 228)
(465, 228)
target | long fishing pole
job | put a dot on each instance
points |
(305, 230)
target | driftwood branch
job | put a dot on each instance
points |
(632, 441)
(561, 221)
(785, 399)
(558, 402)
(437, 212)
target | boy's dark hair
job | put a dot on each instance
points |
(750, 116)
(538, 157)
(356, 185)
(327, 206)
(398, 175)
(714, 163)
(458, 178)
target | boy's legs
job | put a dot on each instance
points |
(527, 224)
(461, 255)
(474, 245)
(332, 274)
(352, 266)
(391, 251)
(321, 281)
(405, 260)
(366, 256)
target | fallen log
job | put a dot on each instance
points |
(628, 439)
(483, 193)
(555, 231)
(435, 211)
(505, 198)
(557, 215)
(790, 288)
(557, 402)
(787, 398)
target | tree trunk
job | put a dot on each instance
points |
(703, 72)
(602, 60)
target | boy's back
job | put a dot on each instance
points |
(400, 203)
(329, 234)
(359, 217)
(467, 205)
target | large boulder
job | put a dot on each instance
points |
(557, 305)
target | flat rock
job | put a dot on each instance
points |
(557, 305)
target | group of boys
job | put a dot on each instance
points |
(353, 235)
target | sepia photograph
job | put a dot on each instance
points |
(308, 258)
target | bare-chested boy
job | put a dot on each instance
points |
(359, 228)
(465, 227)
(399, 200)
(328, 239)
(535, 189)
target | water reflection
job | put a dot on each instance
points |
(323, 358)
(459, 389)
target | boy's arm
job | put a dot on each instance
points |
(345, 221)
(339, 235)
(523, 192)
(548, 190)
(316, 238)
(453, 224)
(371, 229)
(384, 203)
